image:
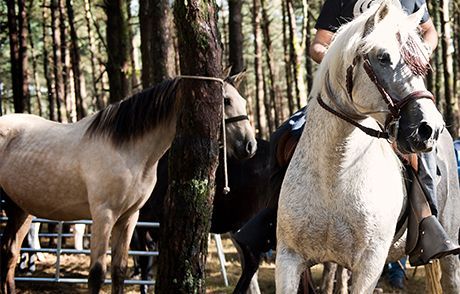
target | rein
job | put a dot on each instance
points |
(394, 105)
(224, 121)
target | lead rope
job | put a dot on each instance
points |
(226, 189)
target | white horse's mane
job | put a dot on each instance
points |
(350, 41)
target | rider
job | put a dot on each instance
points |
(333, 14)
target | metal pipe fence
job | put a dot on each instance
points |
(58, 251)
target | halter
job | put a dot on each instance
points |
(394, 105)
(224, 121)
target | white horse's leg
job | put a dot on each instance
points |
(121, 237)
(100, 235)
(289, 267)
(78, 233)
(450, 278)
(366, 274)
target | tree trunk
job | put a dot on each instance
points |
(296, 57)
(57, 63)
(133, 81)
(260, 108)
(117, 49)
(17, 25)
(235, 36)
(78, 78)
(272, 75)
(194, 153)
(156, 42)
(46, 67)
(68, 105)
(37, 86)
(451, 110)
(99, 102)
(287, 62)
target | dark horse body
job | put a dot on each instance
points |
(249, 194)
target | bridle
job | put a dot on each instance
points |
(225, 121)
(394, 105)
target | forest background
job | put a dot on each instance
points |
(70, 58)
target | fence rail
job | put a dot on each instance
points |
(58, 251)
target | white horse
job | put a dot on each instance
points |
(102, 167)
(343, 190)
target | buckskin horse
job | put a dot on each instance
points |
(102, 167)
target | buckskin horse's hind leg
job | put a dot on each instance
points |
(16, 229)
(121, 237)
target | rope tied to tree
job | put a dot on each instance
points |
(226, 189)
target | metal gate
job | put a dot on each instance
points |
(59, 250)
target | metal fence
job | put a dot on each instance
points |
(58, 251)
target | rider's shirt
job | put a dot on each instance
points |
(335, 13)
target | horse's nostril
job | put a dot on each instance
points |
(424, 131)
(250, 146)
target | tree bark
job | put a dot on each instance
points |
(46, 66)
(296, 57)
(156, 42)
(261, 124)
(78, 78)
(17, 25)
(451, 110)
(194, 153)
(99, 102)
(272, 74)
(117, 49)
(287, 62)
(235, 36)
(57, 63)
(36, 80)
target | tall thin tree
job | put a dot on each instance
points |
(117, 49)
(156, 42)
(194, 152)
(235, 36)
(17, 25)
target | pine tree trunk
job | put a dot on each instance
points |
(156, 42)
(78, 78)
(451, 110)
(46, 65)
(68, 105)
(296, 57)
(272, 75)
(17, 25)
(287, 62)
(261, 123)
(235, 34)
(57, 63)
(194, 153)
(118, 49)
(34, 65)
(99, 102)
(133, 82)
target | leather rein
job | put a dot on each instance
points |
(394, 105)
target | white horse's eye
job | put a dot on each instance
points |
(227, 102)
(384, 58)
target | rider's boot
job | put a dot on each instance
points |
(426, 238)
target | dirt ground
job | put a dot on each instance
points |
(77, 266)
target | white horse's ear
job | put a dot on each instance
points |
(380, 14)
(235, 80)
(415, 18)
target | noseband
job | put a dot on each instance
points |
(394, 105)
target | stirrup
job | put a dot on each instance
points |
(433, 243)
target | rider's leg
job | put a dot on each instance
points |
(427, 173)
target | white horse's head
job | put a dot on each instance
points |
(375, 67)
(241, 142)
